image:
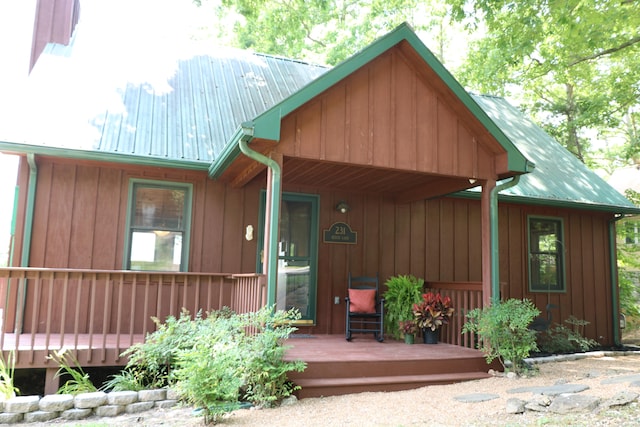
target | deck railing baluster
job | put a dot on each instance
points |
(42, 315)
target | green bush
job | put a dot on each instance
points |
(503, 331)
(402, 292)
(565, 339)
(217, 361)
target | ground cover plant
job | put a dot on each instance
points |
(217, 361)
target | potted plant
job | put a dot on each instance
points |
(408, 328)
(402, 292)
(431, 313)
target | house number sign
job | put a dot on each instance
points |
(340, 232)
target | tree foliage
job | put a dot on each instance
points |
(327, 31)
(575, 63)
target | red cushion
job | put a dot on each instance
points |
(362, 300)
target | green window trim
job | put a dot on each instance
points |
(546, 254)
(152, 229)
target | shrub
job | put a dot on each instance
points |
(565, 339)
(217, 361)
(402, 292)
(230, 365)
(503, 331)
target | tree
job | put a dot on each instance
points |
(574, 63)
(329, 31)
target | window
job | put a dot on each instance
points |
(546, 255)
(158, 226)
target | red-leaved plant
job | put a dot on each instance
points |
(433, 312)
(408, 326)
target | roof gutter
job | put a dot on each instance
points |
(494, 242)
(245, 136)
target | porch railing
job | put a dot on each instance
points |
(98, 313)
(465, 296)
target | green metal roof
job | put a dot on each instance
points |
(559, 178)
(172, 111)
(189, 112)
(267, 124)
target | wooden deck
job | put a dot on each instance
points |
(336, 366)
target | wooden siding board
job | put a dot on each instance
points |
(214, 224)
(61, 208)
(447, 146)
(335, 101)
(404, 118)
(83, 217)
(108, 220)
(432, 270)
(461, 243)
(427, 129)
(447, 247)
(416, 237)
(381, 112)
(402, 238)
(358, 110)
(308, 131)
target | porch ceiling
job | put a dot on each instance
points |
(400, 185)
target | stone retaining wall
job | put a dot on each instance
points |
(66, 406)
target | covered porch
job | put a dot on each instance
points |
(99, 314)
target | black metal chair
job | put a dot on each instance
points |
(365, 307)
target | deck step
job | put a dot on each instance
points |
(318, 387)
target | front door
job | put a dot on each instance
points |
(297, 255)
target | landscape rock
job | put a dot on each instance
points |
(621, 398)
(76, 414)
(134, 408)
(56, 402)
(40, 416)
(22, 404)
(515, 406)
(11, 418)
(109, 410)
(165, 404)
(90, 400)
(152, 395)
(567, 403)
(553, 390)
(122, 397)
(289, 401)
(476, 397)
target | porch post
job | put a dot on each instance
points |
(487, 256)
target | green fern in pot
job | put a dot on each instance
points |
(402, 292)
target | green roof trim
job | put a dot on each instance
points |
(267, 124)
(10, 147)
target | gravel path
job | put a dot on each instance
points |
(432, 405)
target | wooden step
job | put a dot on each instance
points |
(320, 387)
(336, 367)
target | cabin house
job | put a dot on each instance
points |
(224, 177)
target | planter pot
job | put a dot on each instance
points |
(409, 338)
(429, 336)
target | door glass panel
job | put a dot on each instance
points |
(295, 288)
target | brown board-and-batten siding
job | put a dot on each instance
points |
(436, 239)
(385, 115)
(81, 209)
